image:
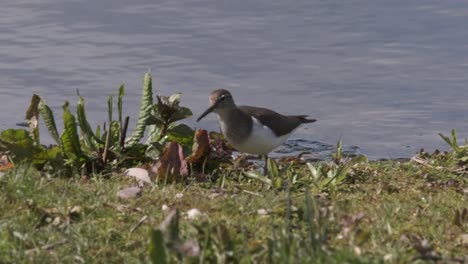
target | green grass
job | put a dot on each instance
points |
(383, 212)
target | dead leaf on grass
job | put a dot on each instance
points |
(201, 147)
(5, 163)
(171, 164)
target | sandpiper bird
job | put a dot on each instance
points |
(252, 129)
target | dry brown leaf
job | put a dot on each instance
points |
(32, 115)
(201, 147)
(5, 163)
(172, 164)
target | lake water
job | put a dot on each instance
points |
(385, 76)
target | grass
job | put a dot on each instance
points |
(385, 211)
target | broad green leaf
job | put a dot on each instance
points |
(359, 159)
(49, 121)
(114, 129)
(18, 137)
(343, 170)
(109, 108)
(313, 171)
(154, 120)
(32, 116)
(182, 113)
(157, 248)
(216, 136)
(180, 131)
(70, 141)
(145, 111)
(98, 132)
(120, 104)
(181, 134)
(43, 155)
(86, 130)
(272, 168)
(340, 175)
(153, 134)
(154, 150)
(18, 142)
(451, 142)
(104, 136)
(454, 137)
(446, 139)
(256, 176)
(277, 183)
(338, 155)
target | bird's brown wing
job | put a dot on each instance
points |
(280, 124)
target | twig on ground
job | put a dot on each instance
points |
(47, 247)
(138, 224)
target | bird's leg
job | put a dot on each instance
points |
(265, 168)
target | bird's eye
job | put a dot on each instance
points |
(222, 98)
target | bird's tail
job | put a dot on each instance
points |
(304, 119)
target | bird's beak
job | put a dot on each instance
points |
(207, 111)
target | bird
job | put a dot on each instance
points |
(250, 129)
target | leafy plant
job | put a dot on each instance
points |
(337, 156)
(326, 176)
(89, 150)
(323, 176)
(86, 150)
(20, 147)
(145, 110)
(286, 246)
(277, 177)
(451, 142)
(461, 152)
(303, 233)
(163, 127)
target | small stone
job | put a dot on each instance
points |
(179, 195)
(140, 174)
(464, 239)
(193, 214)
(357, 251)
(214, 195)
(388, 257)
(57, 221)
(165, 208)
(19, 235)
(75, 211)
(130, 192)
(262, 212)
(190, 248)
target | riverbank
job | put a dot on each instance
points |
(383, 211)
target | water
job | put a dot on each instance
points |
(386, 76)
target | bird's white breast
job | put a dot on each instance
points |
(261, 140)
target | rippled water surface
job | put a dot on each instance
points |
(386, 76)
